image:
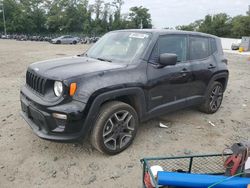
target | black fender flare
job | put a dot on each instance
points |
(110, 95)
(217, 76)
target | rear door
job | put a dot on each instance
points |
(169, 85)
(70, 40)
(66, 39)
(203, 64)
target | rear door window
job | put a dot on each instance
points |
(199, 47)
(213, 45)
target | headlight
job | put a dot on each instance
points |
(58, 88)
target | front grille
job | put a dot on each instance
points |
(35, 82)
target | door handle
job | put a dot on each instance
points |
(224, 61)
(211, 66)
(184, 72)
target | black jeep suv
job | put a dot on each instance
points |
(127, 77)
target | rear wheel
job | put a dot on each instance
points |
(213, 98)
(115, 128)
(74, 42)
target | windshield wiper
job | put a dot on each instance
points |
(103, 59)
(83, 54)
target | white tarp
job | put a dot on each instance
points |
(227, 43)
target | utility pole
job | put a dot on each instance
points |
(4, 22)
(141, 25)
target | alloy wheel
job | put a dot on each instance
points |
(118, 130)
(216, 97)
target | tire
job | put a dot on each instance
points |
(58, 42)
(213, 98)
(74, 42)
(111, 134)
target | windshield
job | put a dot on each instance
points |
(119, 46)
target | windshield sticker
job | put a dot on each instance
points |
(138, 35)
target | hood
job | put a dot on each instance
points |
(65, 68)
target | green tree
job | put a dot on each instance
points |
(219, 24)
(110, 23)
(248, 12)
(117, 21)
(17, 18)
(67, 16)
(70, 16)
(240, 26)
(55, 16)
(98, 8)
(191, 27)
(105, 17)
(138, 16)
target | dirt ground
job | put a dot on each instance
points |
(28, 161)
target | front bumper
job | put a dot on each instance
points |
(46, 126)
(49, 136)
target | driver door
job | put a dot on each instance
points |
(169, 86)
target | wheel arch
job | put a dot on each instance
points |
(133, 96)
(221, 77)
(129, 99)
(223, 81)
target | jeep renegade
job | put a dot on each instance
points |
(127, 77)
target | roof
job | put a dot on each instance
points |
(166, 31)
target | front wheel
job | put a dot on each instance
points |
(213, 98)
(115, 128)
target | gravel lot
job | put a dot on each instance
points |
(28, 161)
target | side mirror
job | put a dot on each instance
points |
(167, 59)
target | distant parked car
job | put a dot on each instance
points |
(84, 40)
(21, 37)
(34, 38)
(65, 40)
(4, 36)
(48, 39)
(236, 46)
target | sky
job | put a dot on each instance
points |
(170, 13)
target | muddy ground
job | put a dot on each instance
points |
(28, 161)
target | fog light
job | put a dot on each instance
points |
(60, 120)
(61, 124)
(59, 116)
